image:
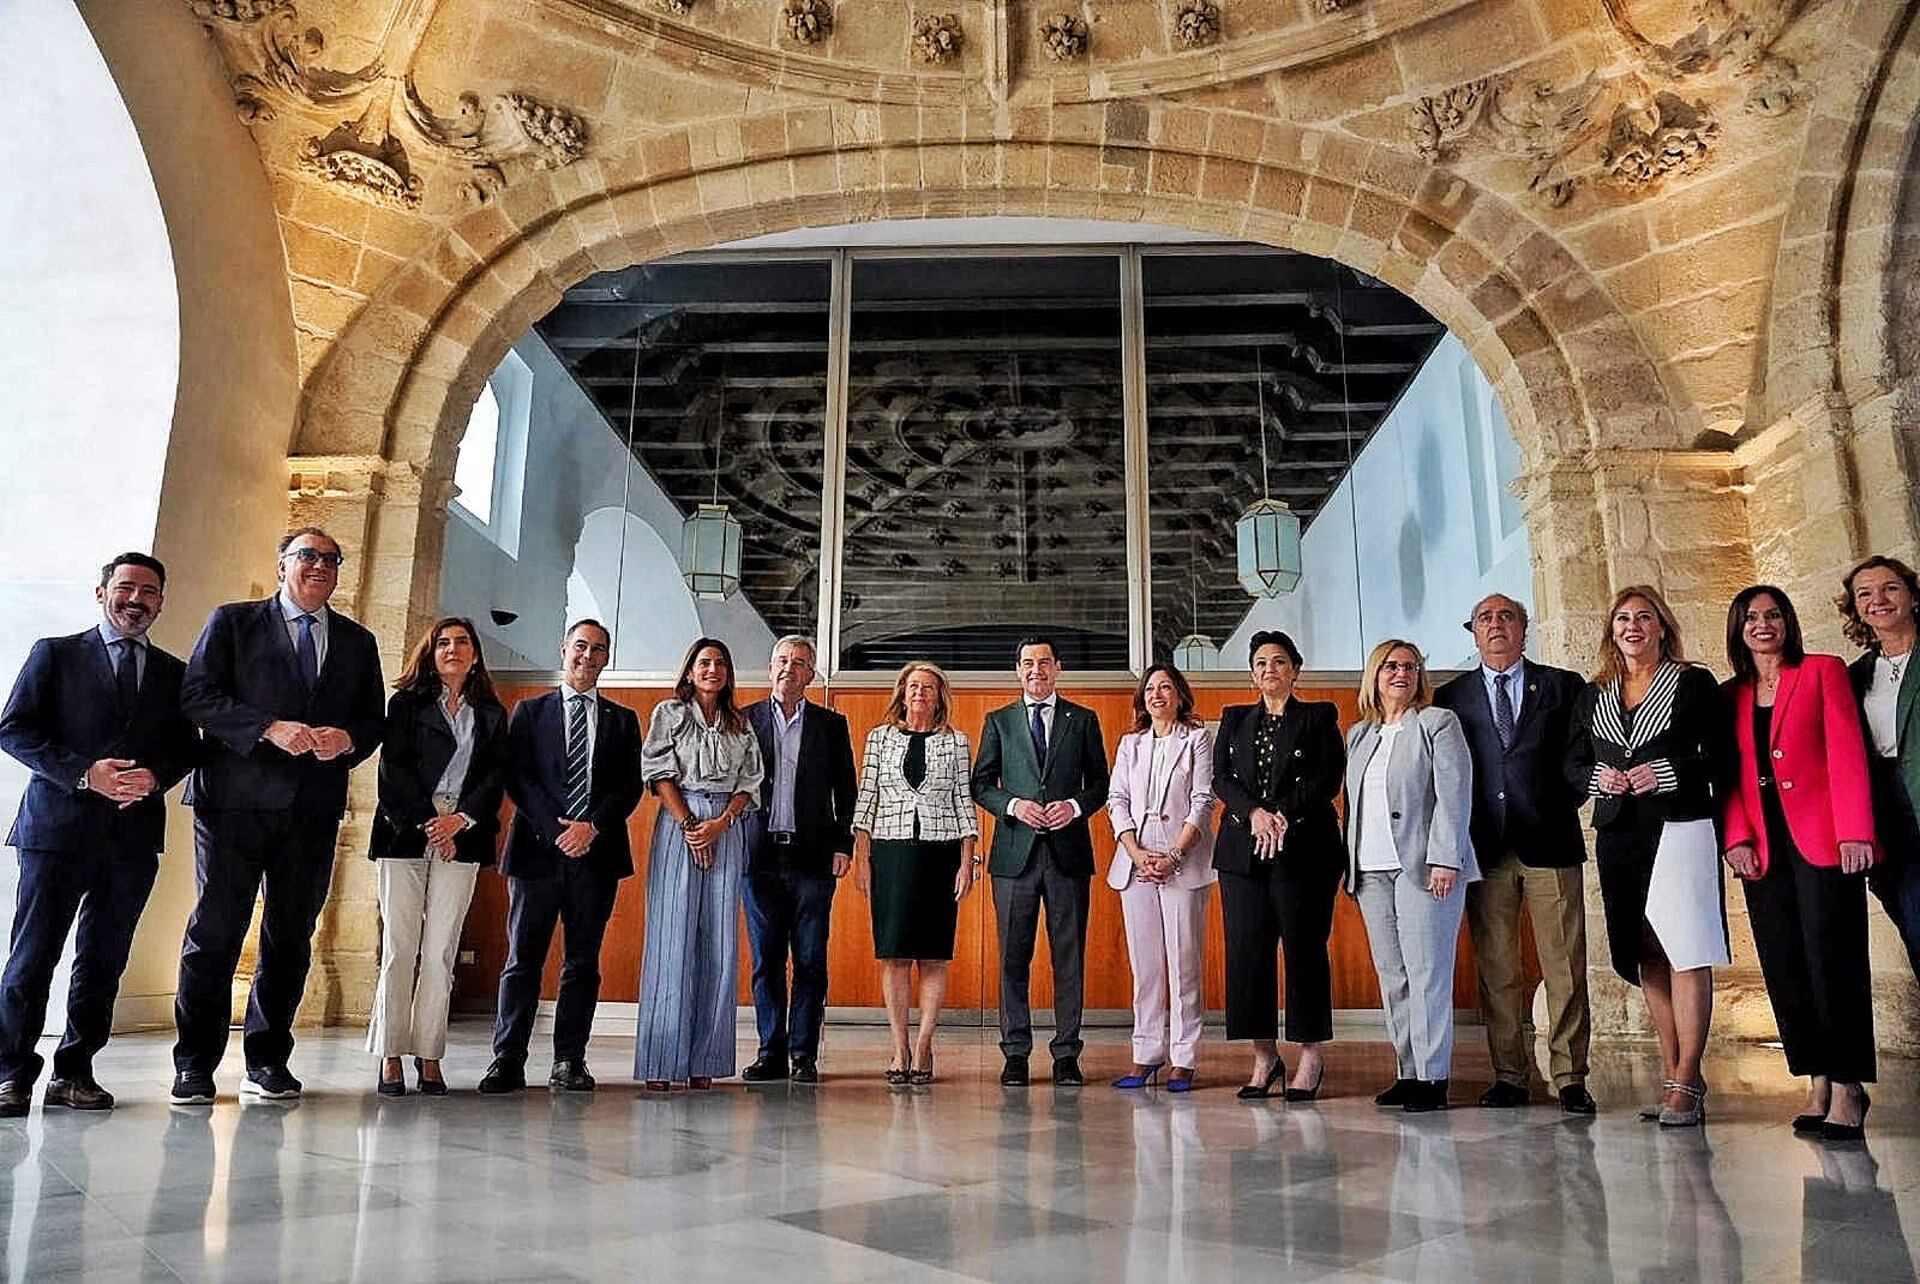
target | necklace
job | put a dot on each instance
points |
(1898, 668)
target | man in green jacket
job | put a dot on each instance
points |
(1041, 772)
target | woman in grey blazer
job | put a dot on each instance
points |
(1409, 860)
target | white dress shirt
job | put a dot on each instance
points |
(592, 697)
(1881, 705)
(1516, 685)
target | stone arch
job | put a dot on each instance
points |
(1572, 374)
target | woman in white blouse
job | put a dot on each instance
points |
(914, 832)
(1161, 804)
(1409, 860)
(1880, 602)
(704, 761)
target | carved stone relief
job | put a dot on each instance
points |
(1631, 129)
(1196, 23)
(937, 38)
(1064, 37)
(365, 119)
(808, 21)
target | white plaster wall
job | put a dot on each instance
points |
(575, 555)
(1420, 529)
(89, 344)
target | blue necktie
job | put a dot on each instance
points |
(1037, 725)
(1503, 709)
(306, 654)
(579, 758)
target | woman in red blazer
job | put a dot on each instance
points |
(1799, 831)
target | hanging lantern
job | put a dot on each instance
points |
(1196, 653)
(1269, 539)
(710, 552)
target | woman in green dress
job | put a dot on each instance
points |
(914, 832)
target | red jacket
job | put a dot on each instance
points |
(1817, 756)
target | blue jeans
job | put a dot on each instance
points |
(787, 915)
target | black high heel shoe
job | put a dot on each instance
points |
(1848, 1132)
(1308, 1094)
(428, 1087)
(1261, 1091)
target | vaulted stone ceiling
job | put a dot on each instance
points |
(1654, 140)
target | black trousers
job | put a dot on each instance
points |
(581, 898)
(1017, 904)
(1293, 911)
(1810, 928)
(284, 859)
(105, 891)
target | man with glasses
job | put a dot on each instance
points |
(289, 694)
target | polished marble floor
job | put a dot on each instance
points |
(852, 1181)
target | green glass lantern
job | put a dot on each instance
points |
(710, 552)
(1269, 545)
(1196, 653)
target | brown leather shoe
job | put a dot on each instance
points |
(78, 1094)
(15, 1098)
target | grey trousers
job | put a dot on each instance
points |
(1413, 938)
(1017, 903)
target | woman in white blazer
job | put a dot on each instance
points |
(1409, 860)
(1161, 804)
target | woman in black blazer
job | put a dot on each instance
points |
(443, 772)
(1278, 766)
(1652, 743)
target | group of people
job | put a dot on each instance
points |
(1458, 803)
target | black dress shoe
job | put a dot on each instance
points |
(765, 1070)
(192, 1088)
(1576, 1100)
(78, 1093)
(270, 1083)
(1396, 1094)
(15, 1098)
(503, 1077)
(805, 1071)
(1014, 1073)
(392, 1087)
(1428, 1094)
(1066, 1073)
(1504, 1096)
(571, 1076)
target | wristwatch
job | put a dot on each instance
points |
(82, 784)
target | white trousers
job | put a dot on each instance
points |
(1166, 938)
(423, 903)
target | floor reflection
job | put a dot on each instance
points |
(961, 1180)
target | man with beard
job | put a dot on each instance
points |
(96, 717)
(288, 692)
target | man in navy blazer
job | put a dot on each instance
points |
(289, 694)
(574, 779)
(96, 716)
(1527, 840)
(800, 841)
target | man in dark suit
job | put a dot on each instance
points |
(801, 840)
(1041, 772)
(96, 717)
(574, 779)
(289, 694)
(1527, 839)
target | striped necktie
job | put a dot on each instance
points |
(579, 757)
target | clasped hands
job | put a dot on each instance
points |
(1044, 816)
(1855, 858)
(440, 834)
(1269, 832)
(296, 738)
(1637, 779)
(1156, 867)
(703, 834)
(120, 781)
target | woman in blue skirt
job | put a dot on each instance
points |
(704, 761)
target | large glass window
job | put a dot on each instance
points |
(985, 453)
(963, 443)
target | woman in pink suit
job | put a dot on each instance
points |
(1799, 831)
(1161, 805)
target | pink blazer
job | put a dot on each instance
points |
(1817, 756)
(1187, 798)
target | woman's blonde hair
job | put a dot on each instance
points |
(1613, 664)
(896, 715)
(1370, 680)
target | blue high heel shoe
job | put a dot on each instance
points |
(1181, 1080)
(1140, 1080)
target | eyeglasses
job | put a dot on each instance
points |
(316, 557)
(1400, 666)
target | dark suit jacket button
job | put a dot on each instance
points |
(1396, 815)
